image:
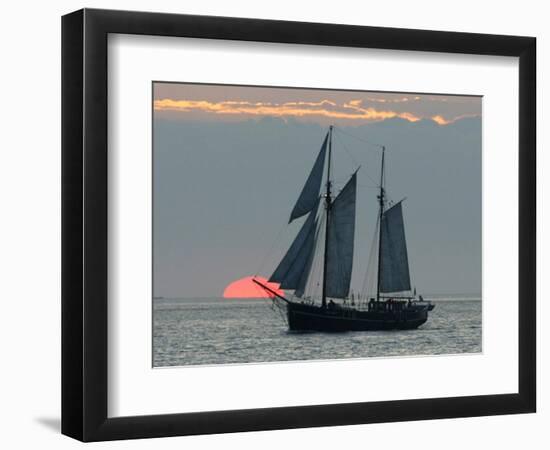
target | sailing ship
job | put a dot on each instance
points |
(394, 306)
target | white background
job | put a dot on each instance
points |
(30, 226)
(136, 388)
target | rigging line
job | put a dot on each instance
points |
(341, 181)
(358, 138)
(369, 277)
(390, 200)
(272, 305)
(275, 241)
(266, 255)
(315, 264)
(339, 265)
(281, 313)
(261, 293)
(312, 256)
(355, 161)
(315, 280)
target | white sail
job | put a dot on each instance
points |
(310, 192)
(291, 269)
(340, 241)
(394, 263)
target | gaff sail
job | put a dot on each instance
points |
(394, 262)
(341, 241)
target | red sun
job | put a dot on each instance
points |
(246, 288)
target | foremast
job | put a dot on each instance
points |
(336, 259)
(328, 204)
(381, 201)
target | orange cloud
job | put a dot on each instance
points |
(385, 100)
(324, 108)
(351, 110)
(440, 120)
(381, 115)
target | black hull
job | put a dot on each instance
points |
(304, 317)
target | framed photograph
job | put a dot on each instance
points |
(273, 225)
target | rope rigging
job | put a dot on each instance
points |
(315, 278)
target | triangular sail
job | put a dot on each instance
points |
(310, 192)
(394, 262)
(340, 241)
(291, 269)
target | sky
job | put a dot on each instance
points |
(230, 161)
(238, 103)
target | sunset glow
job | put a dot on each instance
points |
(246, 288)
(233, 103)
(351, 110)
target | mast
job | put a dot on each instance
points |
(328, 202)
(381, 200)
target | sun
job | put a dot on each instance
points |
(246, 288)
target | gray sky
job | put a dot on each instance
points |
(229, 163)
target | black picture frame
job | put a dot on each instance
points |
(84, 224)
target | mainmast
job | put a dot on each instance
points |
(381, 200)
(328, 202)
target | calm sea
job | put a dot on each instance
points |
(224, 331)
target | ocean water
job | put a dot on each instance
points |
(228, 331)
